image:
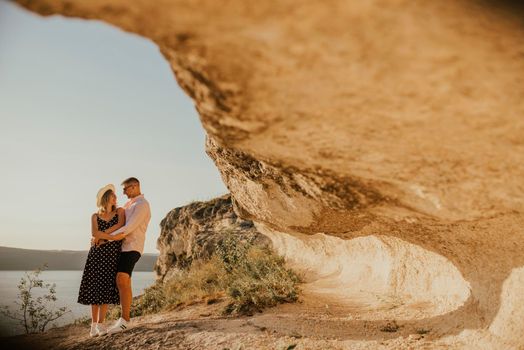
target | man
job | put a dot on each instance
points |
(138, 214)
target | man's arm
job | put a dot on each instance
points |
(139, 215)
(110, 237)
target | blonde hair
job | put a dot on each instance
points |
(103, 202)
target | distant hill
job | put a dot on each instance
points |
(29, 259)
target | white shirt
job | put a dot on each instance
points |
(138, 215)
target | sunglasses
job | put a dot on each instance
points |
(128, 186)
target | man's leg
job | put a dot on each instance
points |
(125, 268)
(102, 311)
(123, 282)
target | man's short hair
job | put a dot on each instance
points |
(130, 180)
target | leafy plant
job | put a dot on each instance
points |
(232, 251)
(34, 313)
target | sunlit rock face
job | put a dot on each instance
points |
(376, 271)
(400, 119)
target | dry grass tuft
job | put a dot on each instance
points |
(250, 278)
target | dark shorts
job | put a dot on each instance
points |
(127, 262)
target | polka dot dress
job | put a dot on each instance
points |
(98, 284)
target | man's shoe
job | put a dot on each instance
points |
(93, 332)
(101, 329)
(119, 326)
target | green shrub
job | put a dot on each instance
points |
(35, 313)
(232, 252)
(151, 301)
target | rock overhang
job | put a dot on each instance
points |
(394, 117)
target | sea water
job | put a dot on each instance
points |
(67, 285)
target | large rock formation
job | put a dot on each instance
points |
(193, 231)
(394, 129)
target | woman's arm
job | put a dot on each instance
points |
(94, 230)
(94, 225)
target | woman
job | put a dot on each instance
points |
(98, 286)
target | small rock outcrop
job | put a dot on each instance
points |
(193, 231)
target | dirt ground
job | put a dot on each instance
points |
(315, 322)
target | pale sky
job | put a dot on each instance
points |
(83, 104)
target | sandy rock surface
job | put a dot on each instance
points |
(336, 119)
(313, 323)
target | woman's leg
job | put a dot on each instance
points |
(94, 313)
(102, 311)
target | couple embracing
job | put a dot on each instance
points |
(118, 236)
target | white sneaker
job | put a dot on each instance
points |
(101, 329)
(93, 332)
(119, 326)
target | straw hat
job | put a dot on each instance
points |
(102, 191)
